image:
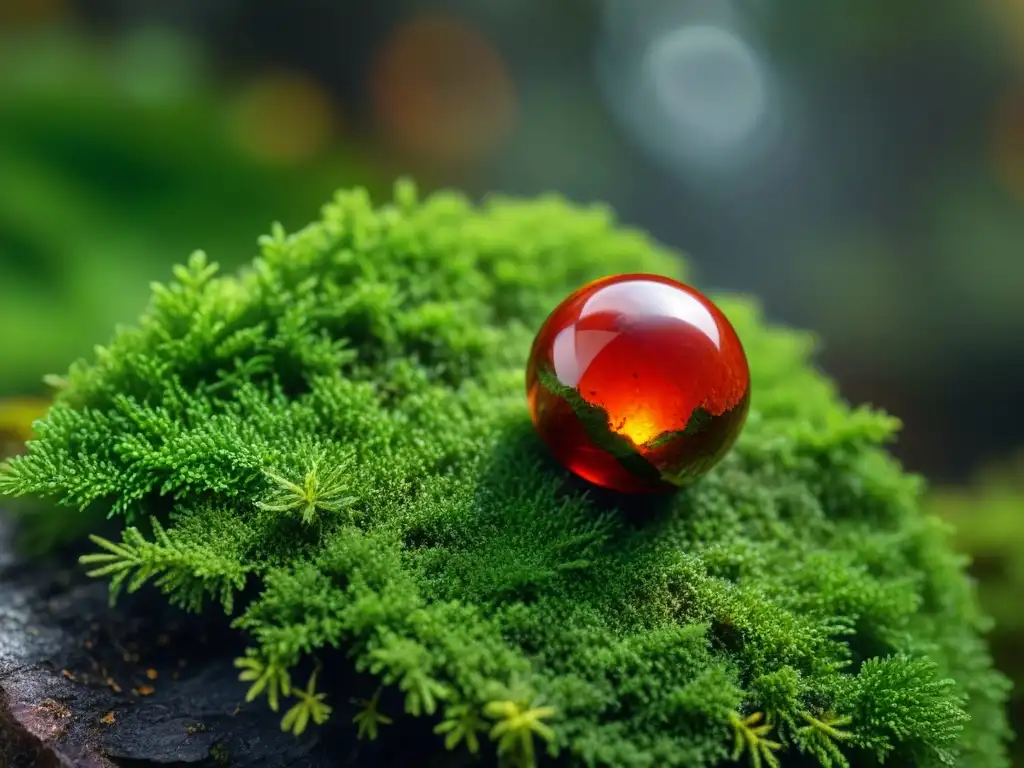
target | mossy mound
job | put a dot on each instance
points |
(334, 446)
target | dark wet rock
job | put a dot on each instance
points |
(142, 685)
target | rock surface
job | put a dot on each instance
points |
(141, 685)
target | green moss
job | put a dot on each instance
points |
(219, 754)
(988, 517)
(344, 426)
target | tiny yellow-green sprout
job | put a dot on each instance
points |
(320, 491)
(461, 723)
(751, 738)
(515, 727)
(271, 677)
(421, 693)
(310, 707)
(820, 736)
(369, 718)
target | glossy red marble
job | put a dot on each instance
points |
(638, 383)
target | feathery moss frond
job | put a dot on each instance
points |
(269, 677)
(900, 704)
(187, 572)
(369, 718)
(310, 708)
(515, 727)
(324, 491)
(404, 661)
(371, 363)
(821, 738)
(462, 724)
(750, 738)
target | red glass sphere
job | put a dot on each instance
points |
(638, 383)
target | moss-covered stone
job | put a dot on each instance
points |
(341, 432)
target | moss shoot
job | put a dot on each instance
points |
(341, 431)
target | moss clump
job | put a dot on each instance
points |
(342, 428)
(988, 516)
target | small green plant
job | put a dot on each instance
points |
(340, 431)
(461, 724)
(823, 737)
(220, 754)
(516, 727)
(752, 739)
(319, 492)
(182, 566)
(268, 678)
(369, 718)
(310, 708)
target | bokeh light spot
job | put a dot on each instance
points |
(285, 118)
(17, 416)
(1007, 146)
(441, 91)
(695, 92)
(25, 13)
(710, 84)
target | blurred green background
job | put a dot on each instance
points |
(858, 164)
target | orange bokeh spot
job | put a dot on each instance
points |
(285, 118)
(1007, 145)
(440, 90)
(23, 13)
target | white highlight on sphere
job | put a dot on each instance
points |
(710, 85)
